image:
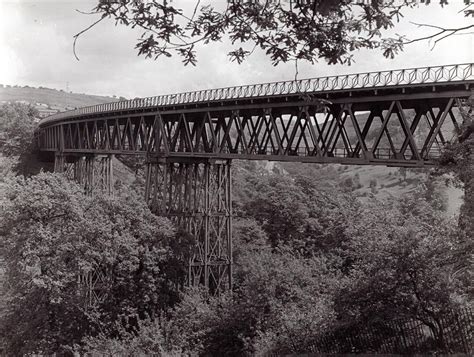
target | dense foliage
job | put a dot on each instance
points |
(314, 257)
(310, 262)
(51, 234)
(17, 125)
(458, 159)
(404, 258)
(284, 30)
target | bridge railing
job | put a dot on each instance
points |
(423, 75)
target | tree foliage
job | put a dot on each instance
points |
(17, 125)
(50, 234)
(310, 261)
(281, 302)
(284, 30)
(298, 212)
(302, 270)
(458, 158)
(405, 259)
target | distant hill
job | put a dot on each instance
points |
(49, 101)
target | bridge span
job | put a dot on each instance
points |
(395, 118)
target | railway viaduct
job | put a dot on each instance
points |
(396, 118)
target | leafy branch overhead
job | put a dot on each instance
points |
(285, 30)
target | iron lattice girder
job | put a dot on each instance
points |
(350, 132)
(196, 195)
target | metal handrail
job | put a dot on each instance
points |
(422, 75)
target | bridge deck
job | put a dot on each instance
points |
(400, 117)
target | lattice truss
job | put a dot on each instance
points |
(93, 286)
(94, 173)
(197, 196)
(389, 130)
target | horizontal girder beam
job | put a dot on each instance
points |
(407, 132)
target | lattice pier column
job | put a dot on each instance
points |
(93, 172)
(59, 163)
(197, 196)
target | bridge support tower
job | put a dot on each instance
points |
(196, 194)
(93, 172)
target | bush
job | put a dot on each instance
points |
(147, 341)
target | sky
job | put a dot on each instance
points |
(36, 40)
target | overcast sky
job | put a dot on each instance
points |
(36, 49)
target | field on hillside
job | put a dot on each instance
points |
(48, 101)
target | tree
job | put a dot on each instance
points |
(247, 235)
(51, 235)
(17, 125)
(284, 301)
(280, 304)
(285, 30)
(403, 260)
(457, 158)
(299, 212)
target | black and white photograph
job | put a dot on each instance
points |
(236, 178)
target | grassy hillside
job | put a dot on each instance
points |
(49, 101)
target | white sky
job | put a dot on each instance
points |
(36, 49)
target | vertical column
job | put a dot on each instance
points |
(219, 226)
(94, 173)
(197, 197)
(59, 162)
(98, 174)
(59, 158)
(229, 223)
(89, 175)
(203, 256)
(93, 285)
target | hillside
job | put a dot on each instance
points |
(367, 181)
(49, 101)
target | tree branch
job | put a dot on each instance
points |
(76, 36)
(445, 32)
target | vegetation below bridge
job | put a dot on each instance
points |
(318, 255)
